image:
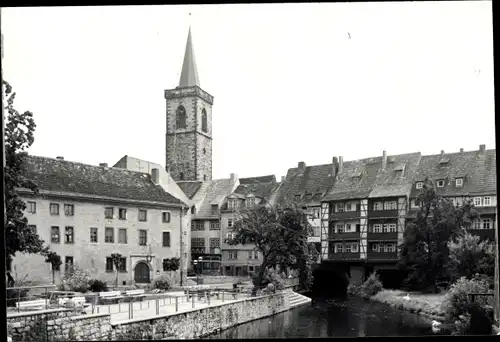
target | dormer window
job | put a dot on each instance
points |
(308, 196)
(250, 202)
(215, 208)
(419, 185)
(459, 182)
(297, 197)
(340, 207)
(231, 204)
(440, 183)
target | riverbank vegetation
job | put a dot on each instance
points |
(445, 264)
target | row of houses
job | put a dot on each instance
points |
(358, 210)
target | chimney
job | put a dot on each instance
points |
(103, 164)
(442, 153)
(384, 159)
(461, 150)
(233, 177)
(302, 166)
(341, 164)
(60, 158)
(155, 175)
(482, 148)
(335, 166)
(282, 178)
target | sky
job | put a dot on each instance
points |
(291, 82)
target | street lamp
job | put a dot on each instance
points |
(200, 261)
(149, 256)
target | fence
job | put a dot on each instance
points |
(27, 293)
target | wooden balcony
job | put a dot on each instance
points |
(345, 215)
(344, 236)
(382, 213)
(343, 256)
(382, 236)
(484, 233)
(382, 256)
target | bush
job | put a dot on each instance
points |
(371, 286)
(96, 285)
(457, 306)
(162, 283)
(272, 277)
(75, 279)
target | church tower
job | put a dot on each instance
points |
(189, 124)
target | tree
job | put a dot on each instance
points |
(117, 259)
(19, 136)
(424, 252)
(280, 234)
(55, 261)
(470, 256)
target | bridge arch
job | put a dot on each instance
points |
(330, 281)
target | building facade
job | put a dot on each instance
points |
(189, 125)
(243, 260)
(85, 213)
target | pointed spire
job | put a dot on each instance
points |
(189, 74)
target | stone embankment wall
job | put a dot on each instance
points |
(58, 325)
(204, 321)
(66, 324)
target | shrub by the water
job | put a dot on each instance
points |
(371, 286)
(458, 308)
(162, 283)
(96, 285)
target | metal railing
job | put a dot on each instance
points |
(19, 294)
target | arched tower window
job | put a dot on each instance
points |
(204, 120)
(180, 118)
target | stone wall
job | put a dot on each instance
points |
(58, 325)
(204, 321)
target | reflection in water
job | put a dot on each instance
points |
(353, 317)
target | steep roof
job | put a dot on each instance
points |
(261, 179)
(66, 176)
(314, 180)
(477, 168)
(189, 73)
(190, 187)
(212, 192)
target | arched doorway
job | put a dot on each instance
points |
(141, 273)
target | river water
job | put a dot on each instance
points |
(351, 317)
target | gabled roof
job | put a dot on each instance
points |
(210, 191)
(189, 187)
(478, 170)
(313, 180)
(71, 177)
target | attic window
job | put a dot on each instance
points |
(459, 182)
(214, 208)
(419, 185)
(308, 196)
(440, 183)
(297, 197)
(444, 161)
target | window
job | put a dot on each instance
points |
(166, 239)
(340, 207)
(31, 207)
(385, 228)
(68, 263)
(231, 204)
(214, 243)
(204, 177)
(200, 225)
(214, 225)
(109, 265)
(32, 227)
(204, 151)
(347, 248)
(440, 183)
(250, 255)
(122, 265)
(256, 255)
(358, 228)
(250, 268)
(250, 202)
(340, 228)
(165, 217)
(69, 235)
(418, 185)
(375, 247)
(377, 228)
(143, 215)
(93, 235)
(347, 227)
(143, 237)
(108, 213)
(69, 210)
(180, 117)
(487, 201)
(459, 182)
(122, 213)
(297, 197)
(392, 227)
(230, 236)
(354, 247)
(55, 235)
(229, 222)
(476, 224)
(348, 207)
(233, 255)
(339, 248)
(315, 213)
(477, 201)
(487, 223)
(215, 208)
(377, 206)
(414, 203)
(122, 235)
(390, 205)
(391, 247)
(54, 209)
(109, 235)
(204, 125)
(181, 176)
